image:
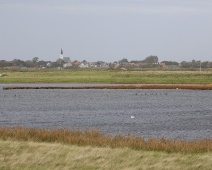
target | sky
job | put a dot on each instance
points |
(106, 30)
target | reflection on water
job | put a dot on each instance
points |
(184, 114)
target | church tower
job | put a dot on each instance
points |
(65, 59)
(61, 54)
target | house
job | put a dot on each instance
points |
(76, 63)
(162, 64)
(101, 64)
(66, 65)
(83, 65)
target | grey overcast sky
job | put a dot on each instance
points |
(106, 30)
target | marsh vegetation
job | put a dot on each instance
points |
(22, 148)
(99, 139)
(107, 76)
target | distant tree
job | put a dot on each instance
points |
(205, 64)
(185, 64)
(151, 59)
(4, 63)
(193, 64)
(60, 62)
(210, 65)
(136, 61)
(84, 61)
(29, 63)
(124, 60)
(18, 63)
(54, 65)
(35, 59)
(173, 63)
(41, 63)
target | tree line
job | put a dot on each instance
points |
(35, 62)
(150, 61)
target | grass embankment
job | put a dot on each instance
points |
(98, 139)
(37, 155)
(22, 148)
(106, 76)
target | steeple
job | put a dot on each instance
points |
(61, 54)
(65, 59)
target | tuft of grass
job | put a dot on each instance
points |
(98, 139)
(3, 75)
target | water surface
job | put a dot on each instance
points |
(182, 114)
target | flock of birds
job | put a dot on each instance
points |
(146, 94)
(151, 94)
(132, 117)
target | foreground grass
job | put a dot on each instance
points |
(98, 139)
(40, 155)
(22, 148)
(106, 76)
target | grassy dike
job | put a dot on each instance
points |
(41, 155)
(107, 76)
(22, 148)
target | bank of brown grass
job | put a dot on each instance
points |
(150, 86)
(43, 155)
(98, 139)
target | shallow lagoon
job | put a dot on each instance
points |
(178, 114)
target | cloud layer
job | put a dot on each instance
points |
(106, 29)
(117, 7)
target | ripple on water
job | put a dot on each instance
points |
(183, 114)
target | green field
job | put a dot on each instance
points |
(107, 76)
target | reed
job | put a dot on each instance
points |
(98, 139)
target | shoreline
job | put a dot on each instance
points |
(123, 86)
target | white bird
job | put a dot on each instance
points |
(132, 117)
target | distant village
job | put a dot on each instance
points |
(65, 63)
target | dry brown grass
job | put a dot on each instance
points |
(152, 86)
(41, 155)
(98, 139)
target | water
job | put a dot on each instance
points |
(174, 114)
